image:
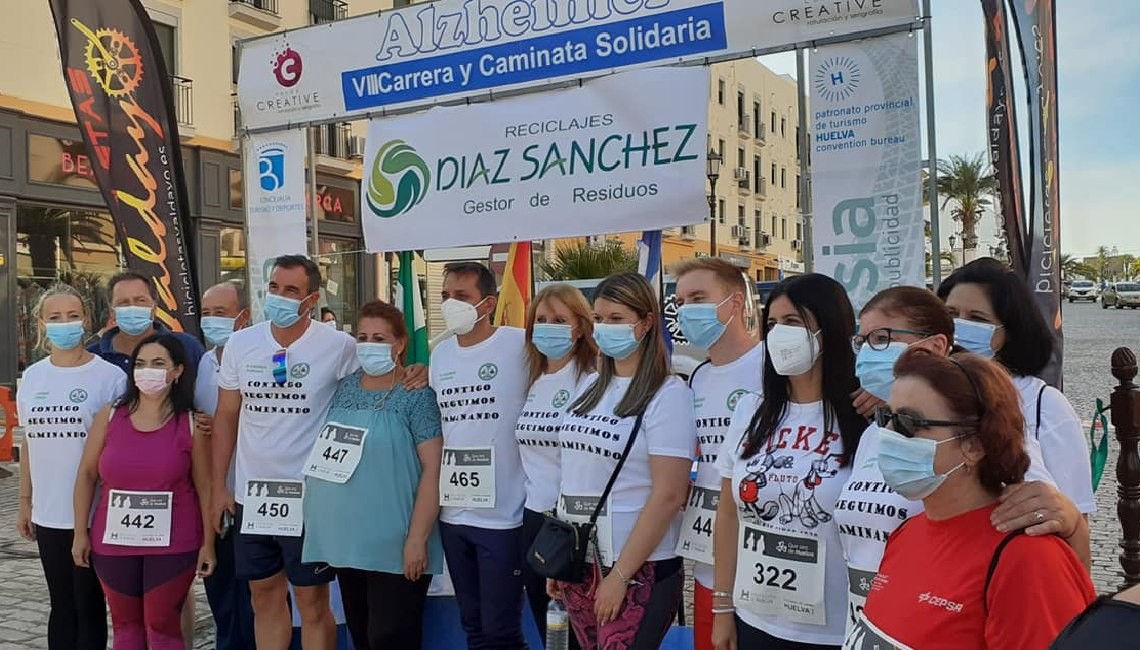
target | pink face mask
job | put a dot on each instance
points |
(150, 381)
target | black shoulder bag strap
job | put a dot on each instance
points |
(993, 567)
(694, 372)
(1040, 394)
(617, 470)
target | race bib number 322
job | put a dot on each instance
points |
(273, 507)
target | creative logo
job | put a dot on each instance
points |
(837, 78)
(78, 396)
(299, 370)
(287, 67)
(560, 398)
(398, 180)
(271, 166)
(488, 371)
(734, 398)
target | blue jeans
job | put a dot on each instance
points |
(230, 600)
(486, 569)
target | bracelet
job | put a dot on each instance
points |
(722, 594)
(723, 610)
(621, 574)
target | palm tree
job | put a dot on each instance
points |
(46, 230)
(943, 256)
(1101, 267)
(585, 261)
(969, 182)
(1072, 268)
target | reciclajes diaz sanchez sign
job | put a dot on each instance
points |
(627, 149)
(445, 50)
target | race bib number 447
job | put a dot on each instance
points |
(273, 507)
(468, 477)
(138, 518)
(336, 453)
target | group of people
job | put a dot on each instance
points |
(900, 479)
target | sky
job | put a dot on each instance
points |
(1098, 53)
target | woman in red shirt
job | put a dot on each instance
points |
(948, 579)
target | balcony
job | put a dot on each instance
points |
(763, 240)
(743, 179)
(761, 188)
(744, 125)
(182, 92)
(327, 11)
(262, 14)
(335, 147)
(688, 233)
(743, 236)
(761, 135)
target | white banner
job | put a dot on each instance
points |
(867, 165)
(622, 153)
(450, 49)
(274, 206)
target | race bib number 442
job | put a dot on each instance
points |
(138, 518)
(273, 507)
(468, 477)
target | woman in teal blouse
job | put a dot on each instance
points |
(372, 489)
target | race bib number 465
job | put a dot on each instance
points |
(273, 507)
(468, 477)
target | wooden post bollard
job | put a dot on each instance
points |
(1125, 412)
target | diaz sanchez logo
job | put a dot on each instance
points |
(398, 180)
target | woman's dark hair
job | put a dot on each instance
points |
(923, 311)
(826, 300)
(181, 391)
(964, 380)
(390, 315)
(1028, 343)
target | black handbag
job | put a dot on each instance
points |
(560, 548)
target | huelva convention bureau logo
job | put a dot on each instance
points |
(399, 178)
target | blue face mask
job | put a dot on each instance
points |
(65, 336)
(876, 368)
(375, 358)
(700, 324)
(553, 340)
(134, 320)
(616, 340)
(907, 464)
(281, 311)
(974, 336)
(217, 329)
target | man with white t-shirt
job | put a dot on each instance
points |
(480, 381)
(276, 382)
(711, 294)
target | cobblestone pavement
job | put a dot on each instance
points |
(1091, 335)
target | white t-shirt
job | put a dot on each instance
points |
(481, 389)
(279, 424)
(537, 433)
(56, 408)
(790, 489)
(716, 391)
(1062, 440)
(206, 398)
(591, 444)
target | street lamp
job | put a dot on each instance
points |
(953, 257)
(713, 172)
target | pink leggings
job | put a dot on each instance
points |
(645, 616)
(146, 594)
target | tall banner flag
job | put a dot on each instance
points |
(1001, 118)
(1037, 39)
(515, 292)
(413, 308)
(275, 206)
(121, 95)
(868, 231)
(649, 265)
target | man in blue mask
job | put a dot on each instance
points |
(133, 300)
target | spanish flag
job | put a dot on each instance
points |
(514, 294)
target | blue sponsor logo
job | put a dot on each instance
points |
(271, 167)
(837, 78)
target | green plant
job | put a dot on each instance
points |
(969, 183)
(585, 261)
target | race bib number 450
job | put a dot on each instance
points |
(138, 518)
(273, 507)
(468, 477)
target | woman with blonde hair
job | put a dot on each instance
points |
(58, 400)
(632, 430)
(561, 356)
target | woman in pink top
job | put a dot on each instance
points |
(146, 541)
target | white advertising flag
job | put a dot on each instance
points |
(867, 165)
(447, 50)
(274, 205)
(622, 153)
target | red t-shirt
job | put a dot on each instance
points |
(929, 589)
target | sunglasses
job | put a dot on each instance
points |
(280, 367)
(908, 424)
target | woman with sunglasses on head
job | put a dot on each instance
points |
(146, 541)
(948, 578)
(996, 316)
(636, 408)
(893, 321)
(58, 401)
(779, 574)
(561, 355)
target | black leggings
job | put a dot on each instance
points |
(383, 610)
(535, 584)
(750, 637)
(78, 617)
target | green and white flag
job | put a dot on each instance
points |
(413, 308)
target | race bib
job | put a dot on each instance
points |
(578, 510)
(468, 477)
(138, 518)
(858, 586)
(273, 507)
(865, 636)
(781, 574)
(697, 524)
(336, 453)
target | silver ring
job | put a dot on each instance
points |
(1037, 516)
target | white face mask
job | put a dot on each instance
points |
(792, 349)
(460, 317)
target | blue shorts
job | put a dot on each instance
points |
(258, 557)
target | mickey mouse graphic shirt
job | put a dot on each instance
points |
(790, 573)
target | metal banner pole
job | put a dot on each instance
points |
(314, 200)
(932, 151)
(805, 162)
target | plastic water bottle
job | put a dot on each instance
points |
(557, 626)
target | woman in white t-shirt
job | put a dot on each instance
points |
(633, 584)
(57, 402)
(779, 571)
(561, 355)
(995, 315)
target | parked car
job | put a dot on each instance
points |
(1121, 295)
(1082, 290)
